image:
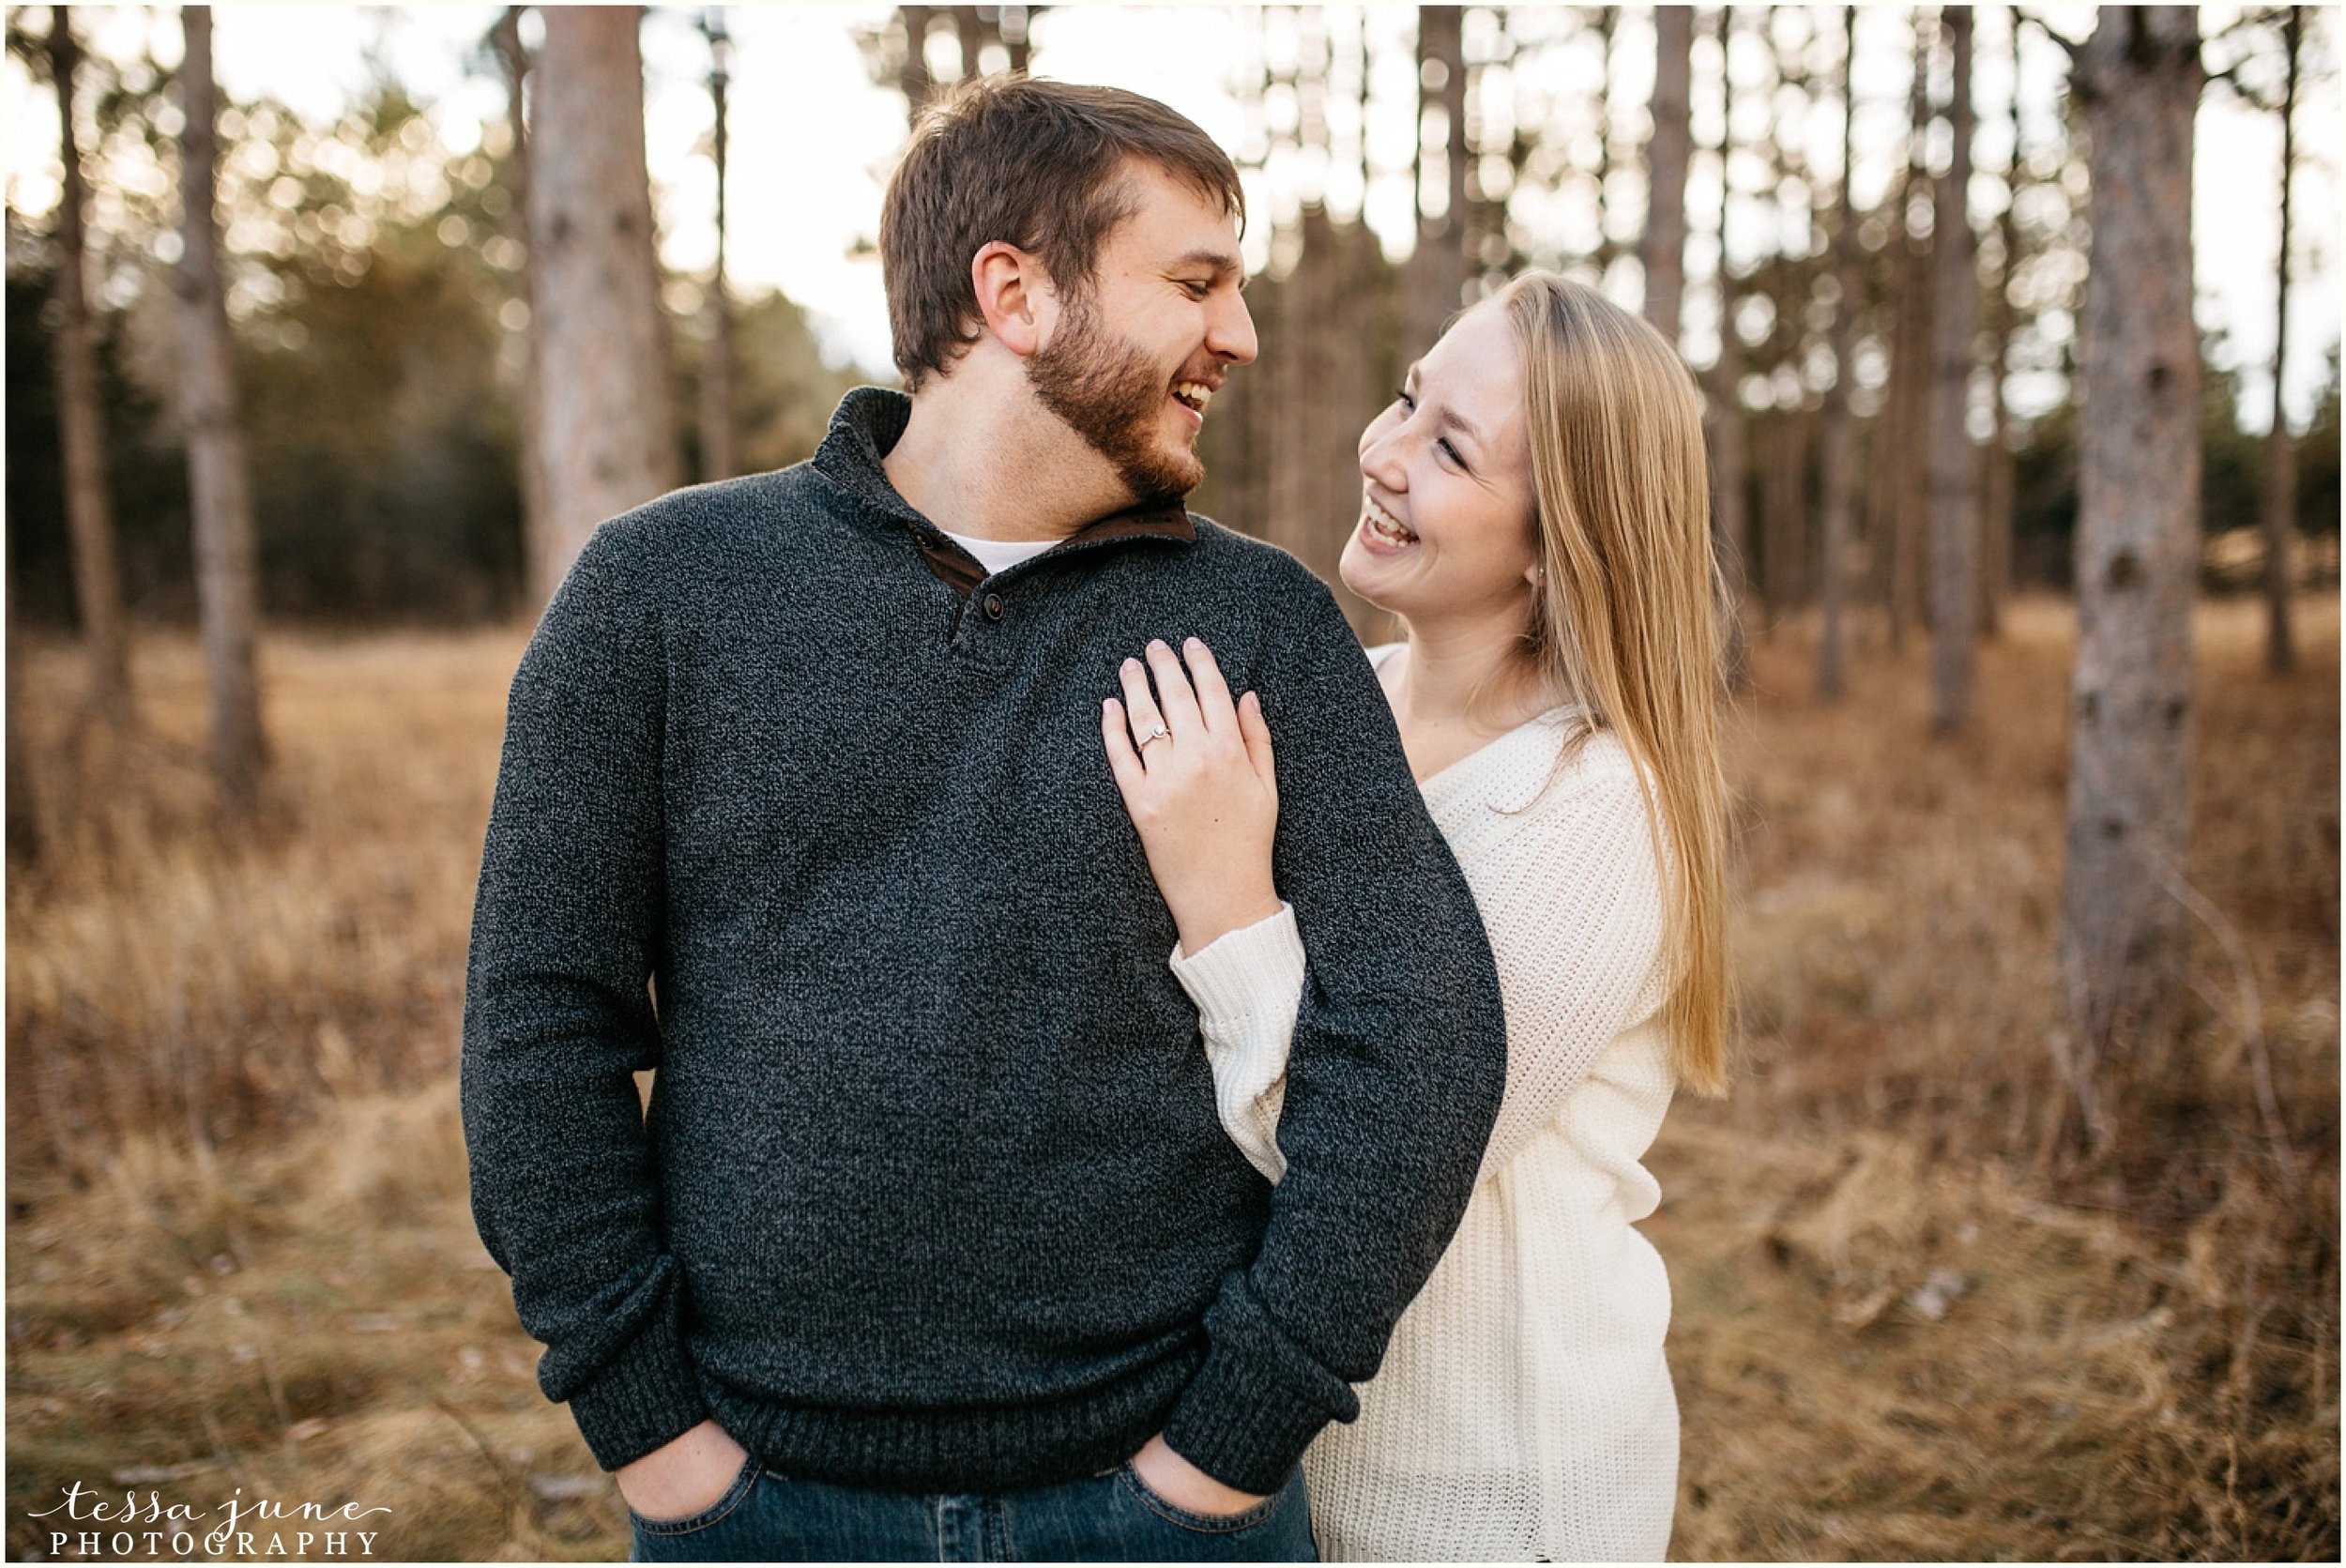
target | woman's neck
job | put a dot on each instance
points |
(1461, 686)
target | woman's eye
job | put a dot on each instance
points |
(1449, 451)
(1408, 404)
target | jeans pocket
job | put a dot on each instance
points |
(743, 1479)
(1188, 1518)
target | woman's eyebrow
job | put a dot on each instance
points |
(1463, 425)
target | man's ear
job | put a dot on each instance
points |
(1014, 295)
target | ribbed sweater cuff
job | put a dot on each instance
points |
(646, 1397)
(1258, 1400)
(1234, 976)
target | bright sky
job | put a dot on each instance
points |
(813, 140)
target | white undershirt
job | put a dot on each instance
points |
(998, 554)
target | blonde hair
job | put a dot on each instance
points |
(1627, 617)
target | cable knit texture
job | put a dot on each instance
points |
(1524, 1409)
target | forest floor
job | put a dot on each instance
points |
(1912, 1322)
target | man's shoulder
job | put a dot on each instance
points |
(685, 528)
(1258, 564)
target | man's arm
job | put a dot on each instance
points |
(1394, 1076)
(557, 1017)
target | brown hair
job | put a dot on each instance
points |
(1627, 617)
(1034, 164)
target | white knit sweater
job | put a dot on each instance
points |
(1523, 1410)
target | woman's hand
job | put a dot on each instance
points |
(1195, 770)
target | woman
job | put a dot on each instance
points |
(1535, 512)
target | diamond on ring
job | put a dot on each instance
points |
(1160, 733)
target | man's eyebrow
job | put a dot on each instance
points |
(1223, 263)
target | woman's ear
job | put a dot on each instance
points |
(1013, 290)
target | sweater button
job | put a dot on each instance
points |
(992, 606)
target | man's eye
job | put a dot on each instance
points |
(1196, 290)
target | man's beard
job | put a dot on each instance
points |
(1109, 393)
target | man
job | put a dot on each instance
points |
(930, 1243)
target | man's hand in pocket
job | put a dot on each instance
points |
(682, 1476)
(1183, 1484)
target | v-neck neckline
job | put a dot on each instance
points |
(1440, 775)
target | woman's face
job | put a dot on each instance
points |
(1445, 529)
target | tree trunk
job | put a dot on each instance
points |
(717, 422)
(1954, 464)
(22, 823)
(608, 431)
(2281, 457)
(913, 76)
(1608, 19)
(1995, 566)
(1910, 369)
(969, 26)
(1663, 251)
(1840, 435)
(219, 489)
(1730, 511)
(1438, 270)
(80, 420)
(537, 527)
(1013, 27)
(1783, 440)
(2123, 936)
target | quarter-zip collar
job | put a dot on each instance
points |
(868, 423)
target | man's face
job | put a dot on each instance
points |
(1132, 361)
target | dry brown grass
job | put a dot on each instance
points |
(1910, 1323)
(163, 974)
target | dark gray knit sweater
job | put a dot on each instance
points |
(931, 1195)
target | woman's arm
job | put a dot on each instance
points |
(1572, 900)
(1247, 988)
(1195, 771)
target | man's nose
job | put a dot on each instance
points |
(1230, 335)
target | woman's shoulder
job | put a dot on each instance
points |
(1583, 814)
(1577, 760)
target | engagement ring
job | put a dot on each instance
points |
(1160, 733)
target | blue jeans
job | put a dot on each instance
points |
(1112, 1518)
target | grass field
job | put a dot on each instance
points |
(1912, 1321)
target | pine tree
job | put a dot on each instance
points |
(607, 429)
(2123, 936)
(220, 486)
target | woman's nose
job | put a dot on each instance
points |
(1381, 454)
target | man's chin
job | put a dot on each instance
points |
(1167, 474)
